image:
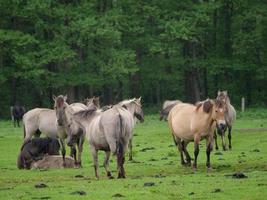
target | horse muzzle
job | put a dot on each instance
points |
(222, 127)
(60, 122)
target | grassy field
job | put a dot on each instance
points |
(156, 163)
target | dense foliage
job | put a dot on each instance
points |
(123, 48)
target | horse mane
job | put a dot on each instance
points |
(86, 113)
(124, 102)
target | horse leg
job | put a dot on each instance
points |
(208, 150)
(106, 164)
(63, 150)
(196, 151)
(230, 136)
(18, 122)
(73, 153)
(130, 146)
(120, 160)
(95, 157)
(215, 138)
(80, 150)
(180, 149)
(223, 141)
(188, 158)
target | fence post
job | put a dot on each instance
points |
(243, 104)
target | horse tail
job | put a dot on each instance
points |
(120, 140)
(24, 131)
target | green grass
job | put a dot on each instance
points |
(160, 165)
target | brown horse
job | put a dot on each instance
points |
(193, 123)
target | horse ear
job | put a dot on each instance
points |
(140, 98)
(219, 91)
(54, 97)
(207, 106)
(65, 97)
(226, 92)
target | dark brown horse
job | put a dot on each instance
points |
(17, 113)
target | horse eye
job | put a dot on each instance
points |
(216, 110)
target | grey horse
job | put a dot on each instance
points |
(109, 131)
(230, 117)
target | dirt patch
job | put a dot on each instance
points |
(191, 193)
(80, 192)
(40, 185)
(239, 175)
(147, 149)
(216, 190)
(118, 195)
(79, 176)
(41, 197)
(218, 153)
(149, 184)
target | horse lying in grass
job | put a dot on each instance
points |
(167, 106)
(35, 150)
(53, 162)
(188, 123)
(109, 131)
(230, 117)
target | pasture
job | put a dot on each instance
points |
(155, 172)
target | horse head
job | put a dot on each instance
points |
(92, 101)
(223, 96)
(218, 113)
(59, 107)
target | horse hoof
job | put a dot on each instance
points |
(209, 169)
(110, 177)
(121, 176)
(194, 168)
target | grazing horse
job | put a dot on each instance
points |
(230, 117)
(109, 131)
(35, 149)
(167, 106)
(192, 123)
(17, 113)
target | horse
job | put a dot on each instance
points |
(130, 146)
(167, 106)
(189, 122)
(17, 113)
(87, 103)
(35, 149)
(109, 131)
(53, 162)
(230, 117)
(44, 120)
